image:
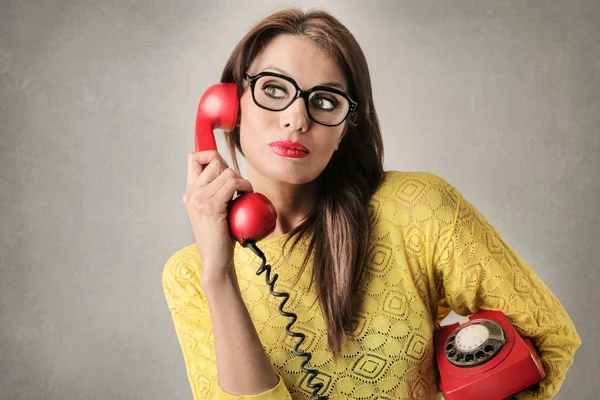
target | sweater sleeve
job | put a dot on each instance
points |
(191, 319)
(477, 270)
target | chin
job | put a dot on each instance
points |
(293, 173)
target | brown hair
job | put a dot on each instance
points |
(340, 222)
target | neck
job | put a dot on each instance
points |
(293, 202)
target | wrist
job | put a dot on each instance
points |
(212, 282)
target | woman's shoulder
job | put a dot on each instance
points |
(405, 198)
(416, 203)
(410, 186)
(183, 265)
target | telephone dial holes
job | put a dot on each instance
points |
(474, 344)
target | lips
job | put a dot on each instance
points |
(289, 149)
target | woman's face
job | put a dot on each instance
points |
(260, 129)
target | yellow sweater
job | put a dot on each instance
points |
(430, 251)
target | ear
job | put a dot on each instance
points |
(353, 117)
(342, 136)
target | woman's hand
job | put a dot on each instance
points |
(242, 364)
(210, 186)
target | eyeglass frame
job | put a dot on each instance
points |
(251, 80)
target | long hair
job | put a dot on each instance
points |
(339, 223)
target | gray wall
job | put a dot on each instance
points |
(97, 106)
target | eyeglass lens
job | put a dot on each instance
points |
(276, 94)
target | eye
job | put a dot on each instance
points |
(324, 103)
(274, 91)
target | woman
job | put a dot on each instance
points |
(371, 259)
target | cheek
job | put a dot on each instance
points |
(246, 120)
(245, 109)
(254, 120)
(254, 124)
(327, 139)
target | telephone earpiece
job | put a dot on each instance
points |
(251, 216)
(217, 109)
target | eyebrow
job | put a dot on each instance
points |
(330, 84)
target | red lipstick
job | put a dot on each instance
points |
(289, 149)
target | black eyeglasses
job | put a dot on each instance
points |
(325, 105)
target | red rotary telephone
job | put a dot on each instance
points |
(250, 215)
(483, 357)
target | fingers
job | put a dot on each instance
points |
(231, 184)
(211, 172)
(216, 181)
(198, 162)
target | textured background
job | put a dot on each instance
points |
(97, 108)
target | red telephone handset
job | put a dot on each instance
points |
(250, 215)
(483, 357)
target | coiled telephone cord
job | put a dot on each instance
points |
(312, 373)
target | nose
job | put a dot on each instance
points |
(295, 117)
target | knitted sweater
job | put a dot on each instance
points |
(429, 251)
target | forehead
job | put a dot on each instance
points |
(303, 60)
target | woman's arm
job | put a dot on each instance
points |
(191, 313)
(479, 271)
(242, 364)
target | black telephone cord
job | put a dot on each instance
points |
(312, 373)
